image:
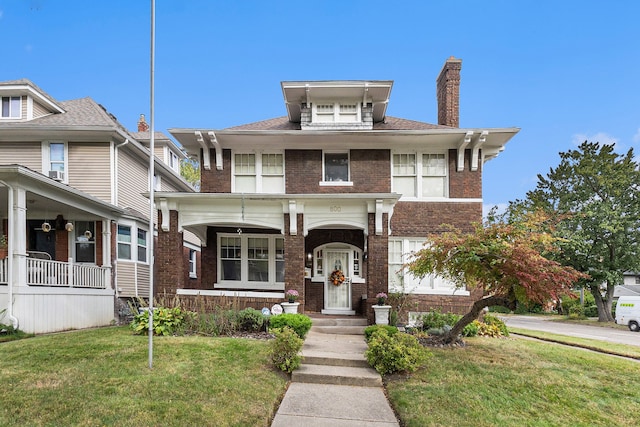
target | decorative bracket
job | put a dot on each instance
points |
(206, 159)
(293, 218)
(476, 149)
(216, 145)
(463, 145)
(164, 208)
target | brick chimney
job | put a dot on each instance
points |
(448, 93)
(142, 124)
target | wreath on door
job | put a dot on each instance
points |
(337, 277)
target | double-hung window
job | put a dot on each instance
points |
(130, 249)
(252, 261)
(419, 175)
(400, 279)
(11, 107)
(336, 168)
(258, 173)
(193, 266)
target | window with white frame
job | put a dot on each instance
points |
(336, 112)
(57, 156)
(85, 241)
(336, 167)
(174, 162)
(401, 280)
(419, 175)
(129, 249)
(193, 266)
(434, 174)
(11, 107)
(258, 173)
(251, 260)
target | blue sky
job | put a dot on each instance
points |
(562, 71)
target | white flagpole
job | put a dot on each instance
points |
(151, 182)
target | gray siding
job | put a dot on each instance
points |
(132, 279)
(132, 182)
(27, 154)
(39, 110)
(90, 168)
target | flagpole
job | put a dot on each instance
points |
(151, 181)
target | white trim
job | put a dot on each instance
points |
(335, 184)
(419, 174)
(324, 172)
(240, 294)
(244, 282)
(46, 158)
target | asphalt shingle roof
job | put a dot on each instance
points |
(390, 123)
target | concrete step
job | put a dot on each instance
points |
(331, 359)
(337, 375)
(338, 321)
(341, 330)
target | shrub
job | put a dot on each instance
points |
(285, 349)
(399, 352)
(499, 309)
(495, 321)
(437, 320)
(591, 311)
(576, 312)
(369, 330)
(250, 319)
(296, 321)
(568, 301)
(471, 330)
(166, 321)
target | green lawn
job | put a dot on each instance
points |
(518, 382)
(101, 377)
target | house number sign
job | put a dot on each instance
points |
(335, 208)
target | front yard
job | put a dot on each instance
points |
(101, 377)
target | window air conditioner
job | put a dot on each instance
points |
(57, 175)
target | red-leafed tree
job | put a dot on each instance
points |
(506, 259)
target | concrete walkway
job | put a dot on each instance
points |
(335, 386)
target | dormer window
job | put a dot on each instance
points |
(336, 112)
(11, 107)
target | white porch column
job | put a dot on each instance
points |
(17, 233)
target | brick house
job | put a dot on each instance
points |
(334, 185)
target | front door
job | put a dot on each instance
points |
(337, 296)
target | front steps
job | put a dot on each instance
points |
(334, 354)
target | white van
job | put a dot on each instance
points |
(628, 312)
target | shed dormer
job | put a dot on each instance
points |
(337, 105)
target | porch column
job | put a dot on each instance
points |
(294, 257)
(17, 236)
(377, 263)
(169, 264)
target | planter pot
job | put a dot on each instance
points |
(290, 307)
(382, 314)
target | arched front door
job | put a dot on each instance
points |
(337, 296)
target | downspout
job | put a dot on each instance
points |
(12, 318)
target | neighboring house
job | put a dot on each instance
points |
(73, 207)
(335, 185)
(629, 287)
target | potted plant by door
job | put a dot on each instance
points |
(381, 309)
(291, 306)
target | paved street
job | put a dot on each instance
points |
(574, 330)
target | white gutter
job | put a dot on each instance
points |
(12, 318)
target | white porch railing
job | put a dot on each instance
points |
(43, 272)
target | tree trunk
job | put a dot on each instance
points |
(473, 314)
(603, 304)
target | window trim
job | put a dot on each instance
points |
(348, 182)
(336, 114)
(46, 158)
(91, 240)
(133, 244)
(244, 283)
(419, 175)
(421, 288)
(259, 174)
(193, 264)
(10, 116)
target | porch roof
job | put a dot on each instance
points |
(47, 196)
(197, 211)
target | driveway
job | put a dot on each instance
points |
(546, 324)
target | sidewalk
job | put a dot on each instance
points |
(335, 386)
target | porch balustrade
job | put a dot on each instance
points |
(42, 272)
